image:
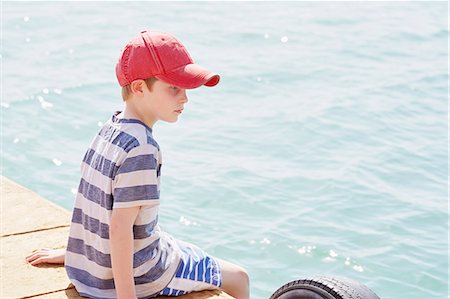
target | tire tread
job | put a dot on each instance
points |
(338, 288)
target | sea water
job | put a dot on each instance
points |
(323, 150)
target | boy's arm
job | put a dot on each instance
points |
(121, 242)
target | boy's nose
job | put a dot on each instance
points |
(184, 96)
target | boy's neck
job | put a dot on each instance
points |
(130, 112)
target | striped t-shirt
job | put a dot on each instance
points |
(120, 169)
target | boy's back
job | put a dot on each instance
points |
(120, 169)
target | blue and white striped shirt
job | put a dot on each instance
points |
(120, 169)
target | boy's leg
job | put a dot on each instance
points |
(235, 280)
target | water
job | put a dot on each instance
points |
(322, 151)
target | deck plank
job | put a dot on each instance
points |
(24, 210)
(33, 280)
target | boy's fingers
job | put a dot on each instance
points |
(38, 251)
(35, 256)
(32, 260)
(35, 262)
(40, 256)
(31, 257)
(38, 261)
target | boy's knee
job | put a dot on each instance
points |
(234, 278)
(242, 275)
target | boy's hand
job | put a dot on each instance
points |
(50, 256)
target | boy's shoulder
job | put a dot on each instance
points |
(129, 134)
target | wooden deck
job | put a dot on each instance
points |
(30, 222)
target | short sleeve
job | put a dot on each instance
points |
(136, 182)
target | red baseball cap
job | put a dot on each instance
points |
(161, 55)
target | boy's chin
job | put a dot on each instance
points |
(171, 120)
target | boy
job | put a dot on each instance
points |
(116, 248)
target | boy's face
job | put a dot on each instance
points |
(164, 102)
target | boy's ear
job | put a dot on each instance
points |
(137, 86)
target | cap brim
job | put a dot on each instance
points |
(190, 76)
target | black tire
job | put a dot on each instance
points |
(324, 288)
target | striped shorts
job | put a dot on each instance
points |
(198, 271)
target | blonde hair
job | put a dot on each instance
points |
(126, 90)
